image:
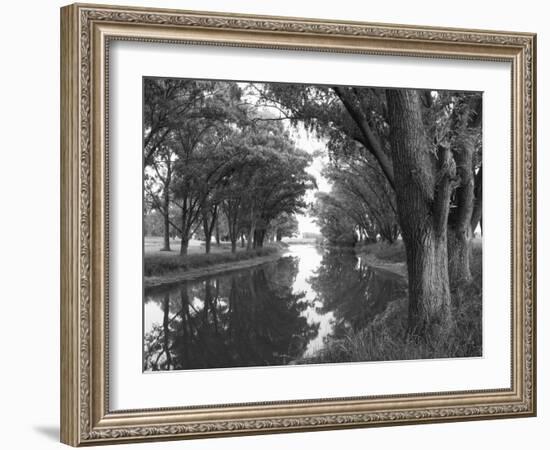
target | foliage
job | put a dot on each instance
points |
(335, 225)
(153, 224)
(209, 154)
(284, 225)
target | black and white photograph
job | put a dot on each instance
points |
(291, 224)
(268, 225)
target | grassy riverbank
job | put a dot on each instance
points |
(385, 338)
(161, 265)
(161, 268)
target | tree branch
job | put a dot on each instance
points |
(369, 139)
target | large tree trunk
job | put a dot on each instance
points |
(233, 245)
(423, 188)
(429, 292)
(459, 226)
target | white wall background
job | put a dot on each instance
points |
(29, 224)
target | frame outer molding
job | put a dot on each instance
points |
(70, 242)
(85, 416)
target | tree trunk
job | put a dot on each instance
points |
(166, 211)
(478, 202)
(166, 246)
(184, 245)
(250, 240)
(423, 188)
(242, 241)
(166, 206)
(261, 239)
(279, 235)
(251, 231)
(459, 248)
(232, 231)
(259, 236)
(207, 230)
(208, 227)
(351, 102)
(459, 226)
(217, 232)
(429, 292)
(233, 245)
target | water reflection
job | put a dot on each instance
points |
(251, 317)
(271, 314)
(352, 291)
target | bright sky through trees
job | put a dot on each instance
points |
(309, 142)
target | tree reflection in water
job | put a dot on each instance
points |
(354, 292)
(245, 318)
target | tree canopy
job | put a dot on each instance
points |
(208, 151)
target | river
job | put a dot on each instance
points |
(271, 314)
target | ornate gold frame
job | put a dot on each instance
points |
(86, 31)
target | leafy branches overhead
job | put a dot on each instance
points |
(206, 154)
